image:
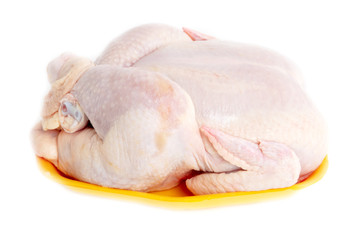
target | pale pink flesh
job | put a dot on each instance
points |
(45, 143)
(265, 165)
(138, 42)
(197, 36)
(248, 101)
(145, 135)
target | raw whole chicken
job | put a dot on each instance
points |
(161, 105)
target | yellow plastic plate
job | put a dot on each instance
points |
(180, 196)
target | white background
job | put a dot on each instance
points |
(320, 36)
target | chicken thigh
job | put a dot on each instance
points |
(160, 103)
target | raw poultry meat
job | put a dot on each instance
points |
(161, 105)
